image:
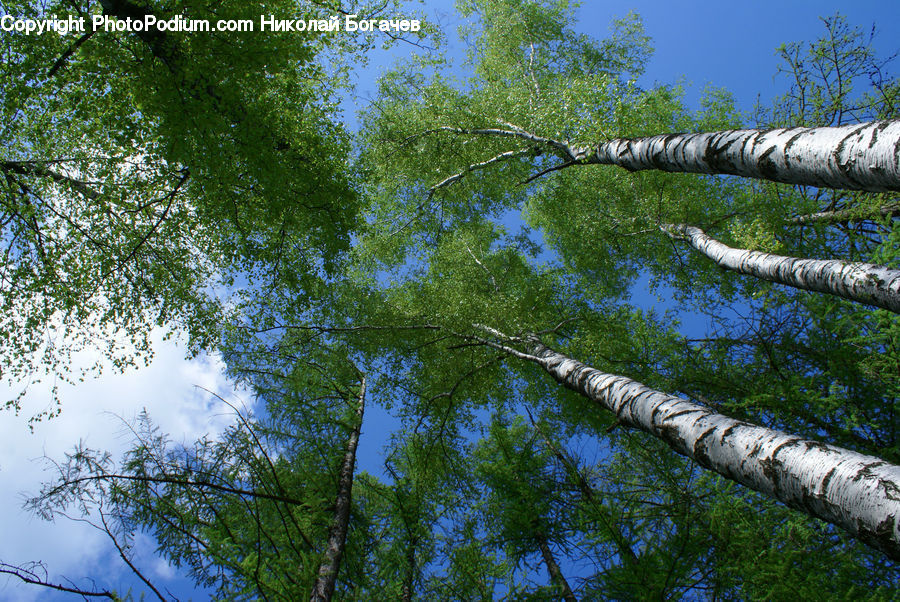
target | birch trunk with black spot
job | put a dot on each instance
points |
(323, 588)
(858, 493)
(864, 156)
(862, 282)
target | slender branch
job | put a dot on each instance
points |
(496, 333)
(172, 481)
(564, 149)
(544, 172)
(127, 560)
(28, 575)
(265, 455)
(476, 166)
(171, 199)
(460, 175)
(484, 267)
(556, 328)
(506, 349)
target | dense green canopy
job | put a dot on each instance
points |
(142, 173)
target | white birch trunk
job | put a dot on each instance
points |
(858, 493)
(865, 156)
(323, 588)
(843, 216)
(862, 282)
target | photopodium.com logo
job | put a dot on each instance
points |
(265, 23)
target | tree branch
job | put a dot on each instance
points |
(33, 169)
(28, 575)
(476, 166)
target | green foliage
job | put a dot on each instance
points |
(443, 158)
(143, 172)
(465, 228)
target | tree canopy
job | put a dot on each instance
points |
(467, 262)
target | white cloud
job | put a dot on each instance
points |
(93, 412)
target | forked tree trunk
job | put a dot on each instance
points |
(862, 282)
(556, 575)
(864, 156)
(323, 588)
(858, 493)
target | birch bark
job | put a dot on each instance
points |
(862, 282)
(858, 493)
(323, 588)
(891, 210)
(864, 156)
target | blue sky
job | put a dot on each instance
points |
(702, 42)
(732, 44)
(724, 44)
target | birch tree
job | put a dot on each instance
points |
(863, 282)
(853, 157)
(476, 503)
(858, 157)
(505, 142)
(853, 491)
(449, 271)
(528, 157)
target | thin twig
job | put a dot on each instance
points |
(29, 576)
